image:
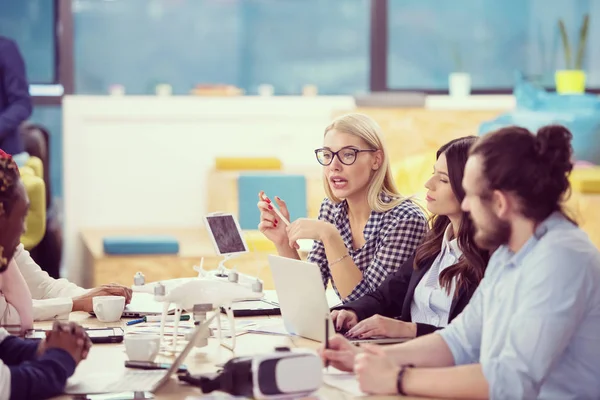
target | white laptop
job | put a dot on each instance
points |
(303, 301)
(134, 380)
(143, 304)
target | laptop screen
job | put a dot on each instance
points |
(226, 234)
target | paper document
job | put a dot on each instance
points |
(345, 381)
(241, 327)
(184, 328)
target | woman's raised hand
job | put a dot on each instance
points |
(270, 223)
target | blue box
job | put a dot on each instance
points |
(290, 188)
(145, 244)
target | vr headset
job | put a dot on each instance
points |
(282, 373)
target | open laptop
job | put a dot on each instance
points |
(132, 380)
(303, 301)
(143, 304)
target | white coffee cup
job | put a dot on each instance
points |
(108, 308)
(142, 347)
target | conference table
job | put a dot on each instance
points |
(111, 357)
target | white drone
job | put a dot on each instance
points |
(213, 289)
(207, 289)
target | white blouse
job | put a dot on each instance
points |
(431, 303)
(51, 297)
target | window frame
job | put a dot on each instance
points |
(64, 77)
(379, 32)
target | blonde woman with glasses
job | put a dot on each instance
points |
(366, 229)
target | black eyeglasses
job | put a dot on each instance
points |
(347, 155)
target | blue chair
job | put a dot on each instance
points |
(290, 188)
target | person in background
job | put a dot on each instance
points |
(531, 329)
(365, 229)
(26, 280)
(15, 102)
(29, 369)
(436, 284)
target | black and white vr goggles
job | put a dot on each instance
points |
(279, 374)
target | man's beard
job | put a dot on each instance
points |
(495, 234)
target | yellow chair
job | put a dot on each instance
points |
(247, 163)
(410, 176)
(32, 176)
(586, 179)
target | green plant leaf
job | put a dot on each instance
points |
(583, 34)
(566, 46)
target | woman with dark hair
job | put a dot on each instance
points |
(434, 285)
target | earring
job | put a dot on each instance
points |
(3, 260)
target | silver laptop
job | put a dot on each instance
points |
(303, 301)
(132, 380)
(143, 304)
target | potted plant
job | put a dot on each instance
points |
(572, 78)
(459, 81)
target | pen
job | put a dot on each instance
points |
(284, 219)
(155, 318)
(135, 321)
(327, 338)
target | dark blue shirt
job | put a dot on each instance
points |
(15, 102)
(33, 376)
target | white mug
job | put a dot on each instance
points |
(142, 347)
(108, 308)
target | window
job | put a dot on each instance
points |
(291, 43)
(246, 43)
(489, 39)
(48, 52)
(31, 24)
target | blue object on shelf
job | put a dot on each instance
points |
(145, 244)
(537, 107)
(289, 187)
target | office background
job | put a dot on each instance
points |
(290, 43)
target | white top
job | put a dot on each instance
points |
(431, 303)
(51, 297)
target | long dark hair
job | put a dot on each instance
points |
(535, 167)
(471, 266)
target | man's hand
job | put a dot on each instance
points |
(85, 301)
(376, 373)
(70, 337)
(340, 354)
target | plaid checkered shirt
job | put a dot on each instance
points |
(391, 238)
